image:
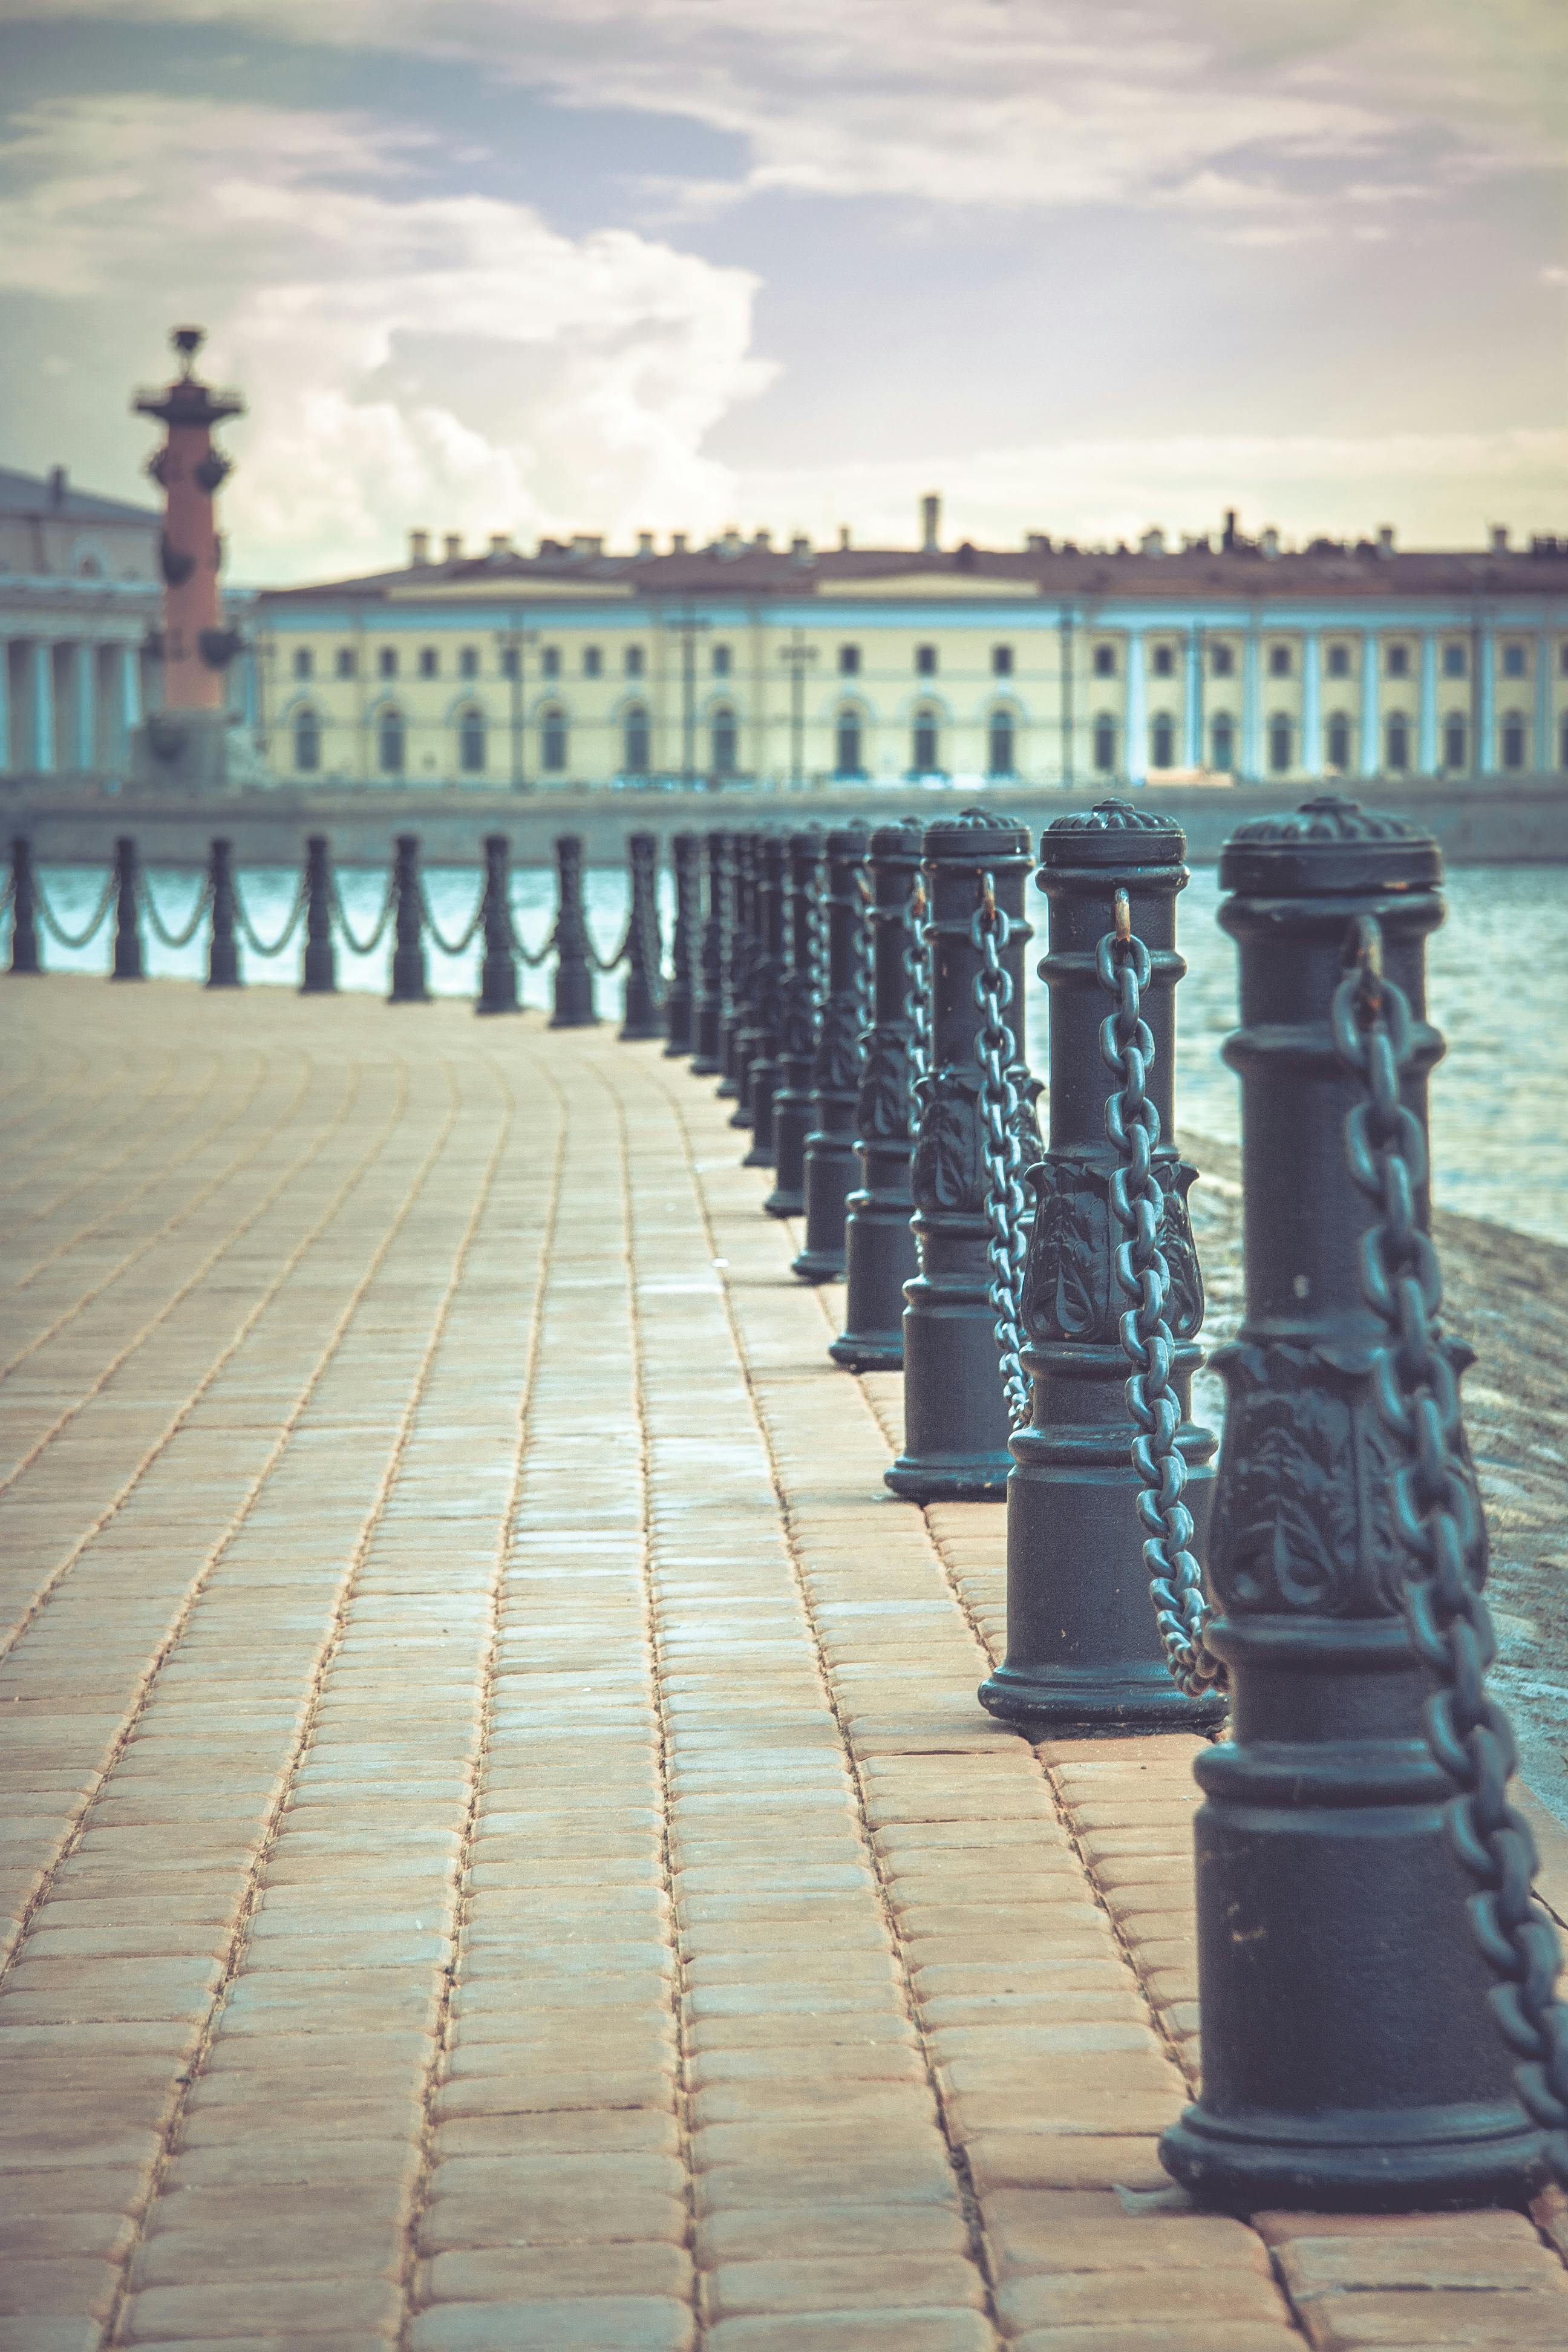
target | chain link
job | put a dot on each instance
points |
(917, 979)
(1006, 1203)
(378, 932)
(1124, 966)
(174, 939)
(461, 945)
(56, 928)
(531, 957)
(253, 939)
(1438, 1525)
(865, 948)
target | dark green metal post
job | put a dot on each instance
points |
(498, 971)
(830, 1166)
(409, 984)
(644, 949)
(319, 977)
(573, 975)
(799, 1009)
(24, 908)
(222, 950)
(128, 957)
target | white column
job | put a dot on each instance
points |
(1136, 763)
(130, 687)
(1545, 750)
(1484, 761)
(1371, 759)
(84, 683)
(1251, 706)
(1427, 720)
(4, 708)
(1193, 715)
(1312, 703)
(43, 708)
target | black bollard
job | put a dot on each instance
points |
(1350, 2060)
(573, 973)
(956, 1414)
(24, 908)
(128, 960)
(708, 1014)
(644, 949)
(1082, 1645)
(319, 977)
(222, 950)
(680, 996)
(498, 970)
(762, 1078)
(739, 1023)
(830, 1165)
(799, 1003)
(409, 985)
(878, 1240)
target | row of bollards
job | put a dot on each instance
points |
(860, 997)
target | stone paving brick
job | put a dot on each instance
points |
(500, 1845)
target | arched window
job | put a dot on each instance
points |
(1000, 757)
(1396, 744)
(391, 743)
(1162, 743)
(1513, 740)
(1222, 744)
(1456, 744)
(471, 743)
(725, 741)
(1105, 747)
(1282, 744)
(552, 742)
(635, 748)
(1339, 743)
(925, 747)
(306, 743)
(90, 568)
(847, 759)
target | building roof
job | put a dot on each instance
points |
(51, 498)
(1325, 570)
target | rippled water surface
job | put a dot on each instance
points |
(1498, 980)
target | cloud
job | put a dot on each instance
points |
(406, 356)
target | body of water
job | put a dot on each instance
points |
(1498, 982)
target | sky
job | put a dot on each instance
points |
(553, 266)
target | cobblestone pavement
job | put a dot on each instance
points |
(500, 1852)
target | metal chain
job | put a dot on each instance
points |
(1006, 1203)
(1138, 1204)
(56, 928)
(531, 957)
(161, 930)
(812, 961)
(262, 947)
(363, 947)
(917, 979)
(1438, 1525)
(864, 949)
(450, 947)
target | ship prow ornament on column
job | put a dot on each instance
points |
(194, 744)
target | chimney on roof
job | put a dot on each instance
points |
(1270, 541)
(1385, 539)
(1227, 537)
(644, 542)
(762, 541)
(1497, 535)
(800, 548)
(57, 486)
(843, 539)
(931, 524)
(452, 547)
(1152, 542)
(1036, 543)
(586, 545)
(730, 543)
(418, 547)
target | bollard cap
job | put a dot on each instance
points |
(806, 843)
(846, 841)
(1328, 847)
(1113, 833)
(900, 839)
(976, 836)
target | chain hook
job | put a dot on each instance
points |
(1122, 907)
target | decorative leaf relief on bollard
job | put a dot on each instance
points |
(1069, 1282)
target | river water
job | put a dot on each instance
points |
(1498, 992)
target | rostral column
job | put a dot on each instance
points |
(188, 742)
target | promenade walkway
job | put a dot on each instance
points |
(500, 1853)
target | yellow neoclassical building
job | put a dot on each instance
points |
(740, 661)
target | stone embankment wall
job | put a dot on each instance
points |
(1520, 821)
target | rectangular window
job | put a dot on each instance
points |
(720, 661)
(1222, 661)
(925, 661)
(386, 661)
(1001, 665)
(1105, 661)
(634, 662)
(429, 662)
(1514, 661)
(304, 662)
(1454, 663)
(346, 664)
(1164, 663)
(1280, 663)
(510, 662)
(550, 661)
(1338, 661)
(1398, 661)
(849, 660)
(468, 662)
(592, 662)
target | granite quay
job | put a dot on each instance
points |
(503, 1849)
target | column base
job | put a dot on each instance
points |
(869, 1352)
(783, 1203)
(1428, 2159)
(1133, 1696)
(819, 1265)
(950, 1478)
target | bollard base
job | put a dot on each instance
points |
(950, 1478)
(727, 1089)
(1131, 1697)
(782, 1202)
(704, 1065)
(1430, 2159)
(869, 1352)
(820, 1266)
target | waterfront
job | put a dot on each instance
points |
(1498, 977)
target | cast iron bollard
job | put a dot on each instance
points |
(319, 977)
(878, 1243)
(708, 1014)
(738, 1023)
(1082, 1644)
(955, 1415)
(1349, 2056)
(573, 975)
(798, 1010)
(835, 1067)
(24, 908)
(644, 949)
(498, 971)
(680, 996)
(760, 1082)
(126, 912)
(223, 952)
(409, 985)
